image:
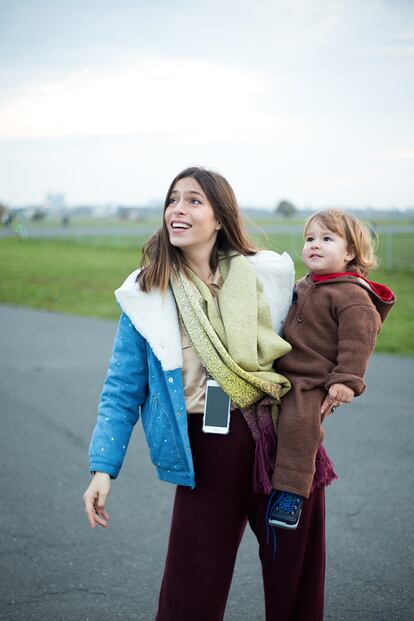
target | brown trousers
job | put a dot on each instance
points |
(299, 435)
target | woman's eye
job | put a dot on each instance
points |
(195, 201)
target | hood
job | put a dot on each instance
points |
(381, 295)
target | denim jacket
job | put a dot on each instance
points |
(145, 374)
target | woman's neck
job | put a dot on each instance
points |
(199, 263)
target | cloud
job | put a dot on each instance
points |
(189, 97)
(338, 182)
(400, 154)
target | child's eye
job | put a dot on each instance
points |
(327, 238)
(308, 238)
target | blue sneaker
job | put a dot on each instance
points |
(286, 510)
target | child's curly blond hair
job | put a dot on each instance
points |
(356, 234)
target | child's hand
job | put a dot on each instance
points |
(337, 394)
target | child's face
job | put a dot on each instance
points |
(325, 252)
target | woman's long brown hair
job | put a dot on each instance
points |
(159, 257)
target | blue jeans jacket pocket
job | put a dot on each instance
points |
(161, 438)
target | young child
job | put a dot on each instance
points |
(332, 326)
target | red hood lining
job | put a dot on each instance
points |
(382, 291)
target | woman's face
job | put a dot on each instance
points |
(190, 218)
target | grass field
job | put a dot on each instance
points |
(79, 277)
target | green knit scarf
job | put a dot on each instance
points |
(233, 335)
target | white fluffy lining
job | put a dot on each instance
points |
(276, 272)
(155, 315)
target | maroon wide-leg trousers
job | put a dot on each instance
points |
(208, 524)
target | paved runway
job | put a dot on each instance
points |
(54, 567)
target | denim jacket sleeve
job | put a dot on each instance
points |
(123, 393)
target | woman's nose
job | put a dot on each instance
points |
(179, 206)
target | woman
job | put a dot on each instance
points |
(208, 304)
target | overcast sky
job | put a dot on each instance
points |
(308, 100)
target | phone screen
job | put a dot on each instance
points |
(217, 407)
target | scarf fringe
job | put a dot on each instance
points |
(264, 461)
(324, 470)
(265, 456)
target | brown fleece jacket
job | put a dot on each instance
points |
(332, 327)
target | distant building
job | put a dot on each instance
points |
(130, 213)
(54, 201)
(82, 211)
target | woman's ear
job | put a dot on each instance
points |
(218, 226)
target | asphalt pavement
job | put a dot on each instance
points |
(53, 567)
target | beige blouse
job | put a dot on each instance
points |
(194, 376)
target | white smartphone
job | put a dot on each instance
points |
(216, 409)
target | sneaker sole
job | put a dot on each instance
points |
(284, 525)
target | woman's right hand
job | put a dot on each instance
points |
(95, 498)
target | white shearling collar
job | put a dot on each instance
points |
(276, 272)
(155, 315)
